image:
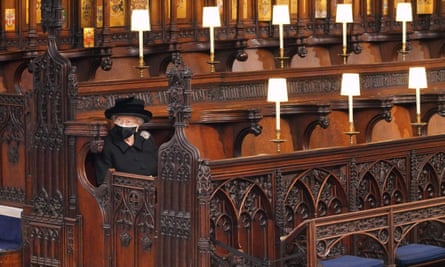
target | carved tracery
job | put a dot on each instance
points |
(381, 184)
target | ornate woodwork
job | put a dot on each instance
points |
(305, 85)
(230, 210)
(368, 112)
(218, 209)
(303, 118)
(181, 217)
(176, 29)
(51, 228)
(379, 232)
(14, 116)
(309, 186)
(132, 219)
(232, 126)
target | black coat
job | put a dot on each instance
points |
(140, 158)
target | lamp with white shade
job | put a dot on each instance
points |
(344, 16)
(417, 81)
(211, 19)
(350, 86)
(404, 14)
(140, 22)
(280, 16)
(277, 92)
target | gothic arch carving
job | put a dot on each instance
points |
(381, 184)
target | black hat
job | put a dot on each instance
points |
(129, 106)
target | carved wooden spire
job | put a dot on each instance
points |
(53, 201)
(52, 16)
(180, 212)
(179, 90)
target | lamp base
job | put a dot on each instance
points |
(404, 52)
(419, 126)
(141, 69)
(351, 135)
(352, 132)
(282, 59)
(345, 57)
(278, 143)
(277, 140)
(212, 64)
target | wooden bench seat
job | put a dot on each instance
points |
(419, 255)
(352, 261)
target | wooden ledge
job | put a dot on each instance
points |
(229, 116)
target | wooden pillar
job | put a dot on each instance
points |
(182, 186)
(173, 26)
(32, 27)
(51, 210)
(106, 31)
(2, 30)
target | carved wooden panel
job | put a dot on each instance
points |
(51, 228)
(375, 177)
(133, 201)
(430, 178)
(12, 143)
(381, 183)
(314, 192)
(182, 214)
(374, 233)
(242, 215)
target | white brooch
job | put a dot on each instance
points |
(145, 134)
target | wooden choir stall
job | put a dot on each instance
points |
(242, 181)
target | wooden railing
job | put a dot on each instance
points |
(289, 209)
(380, 232)
(261, 202)
(271, 210)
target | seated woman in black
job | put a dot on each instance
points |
(126, 148)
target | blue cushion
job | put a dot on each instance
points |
(352, 261)
(418, 253)
(7, 245)
(10, 232)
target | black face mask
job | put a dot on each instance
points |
(123, 132)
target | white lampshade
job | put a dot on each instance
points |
(280, 15)
(350, 84)
(344, 13)
(140, 20)
(210, 17)
(417, 78)
(404, 12)
(277, 90)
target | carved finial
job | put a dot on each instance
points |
(177, 60)
(52, 15)
(178, 69)
(72, 82)
(179, 89)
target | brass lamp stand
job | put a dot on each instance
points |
(278, 140)
(141, 67)
(212, 62)
(352, 132)
(345, 54)
(419, 124)
(282, 58)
